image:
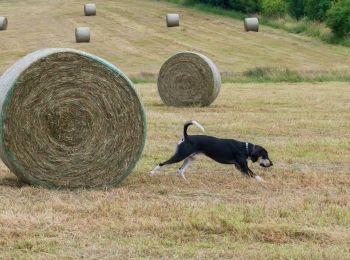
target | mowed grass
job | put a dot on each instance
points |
(301, 212)
(132, 35)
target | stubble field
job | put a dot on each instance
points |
(301, 212)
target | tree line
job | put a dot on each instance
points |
(335, 13)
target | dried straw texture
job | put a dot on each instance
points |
(251, 24)
(82, 34)
(3, 23)
(69, 119)
(90, 9)
(189, 79)
(172, 20)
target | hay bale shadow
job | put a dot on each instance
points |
(12, 182)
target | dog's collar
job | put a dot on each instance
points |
(247, 148)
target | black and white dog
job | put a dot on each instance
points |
(226, 151)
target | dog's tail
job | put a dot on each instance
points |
(192, 122)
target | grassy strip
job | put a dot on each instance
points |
(272, 75)
(305, 26)
(267, 75)
(207, 8)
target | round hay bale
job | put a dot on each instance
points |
(251, 24)
(189, 79)
(69, 119)
(90, 9)
(3, 23)
(172, 20)
(82, 34)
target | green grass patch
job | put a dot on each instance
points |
(207, 8)
(272, 75)
(35, 245)
(266, 75)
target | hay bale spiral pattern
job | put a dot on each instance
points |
(189, 79)
(69, 119)
(3, 23)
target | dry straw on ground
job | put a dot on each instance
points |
(251, 24)
(189, 79)
(69, 119)
(3, 23)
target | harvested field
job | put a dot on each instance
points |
(303, 211)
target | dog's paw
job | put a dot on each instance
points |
(259, 179)
(151, 173)
(181, 174)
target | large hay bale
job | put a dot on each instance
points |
(189, 79)
(90, 9)
(3, 23)
(251, 24)
(82, 34)
(172, 20)
(69, 119)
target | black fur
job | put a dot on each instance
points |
(226, 151)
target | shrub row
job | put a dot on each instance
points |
(336, 13)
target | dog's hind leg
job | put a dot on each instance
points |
(157, 168)
(185, 165)
(178, 157)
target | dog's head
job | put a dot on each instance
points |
(260, 155)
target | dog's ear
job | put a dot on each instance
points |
(255, 154)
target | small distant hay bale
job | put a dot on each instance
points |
(82, 34)
(3, 23)
(251, 24)
(188, 79)
(172, 20)
(90, 9)
(69, 119)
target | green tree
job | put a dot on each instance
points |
(338, 18)
(274, 8)
(244, 6)
(317, 9)
(296, 8)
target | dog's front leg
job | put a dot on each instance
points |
(256, 177)
(243, 166)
